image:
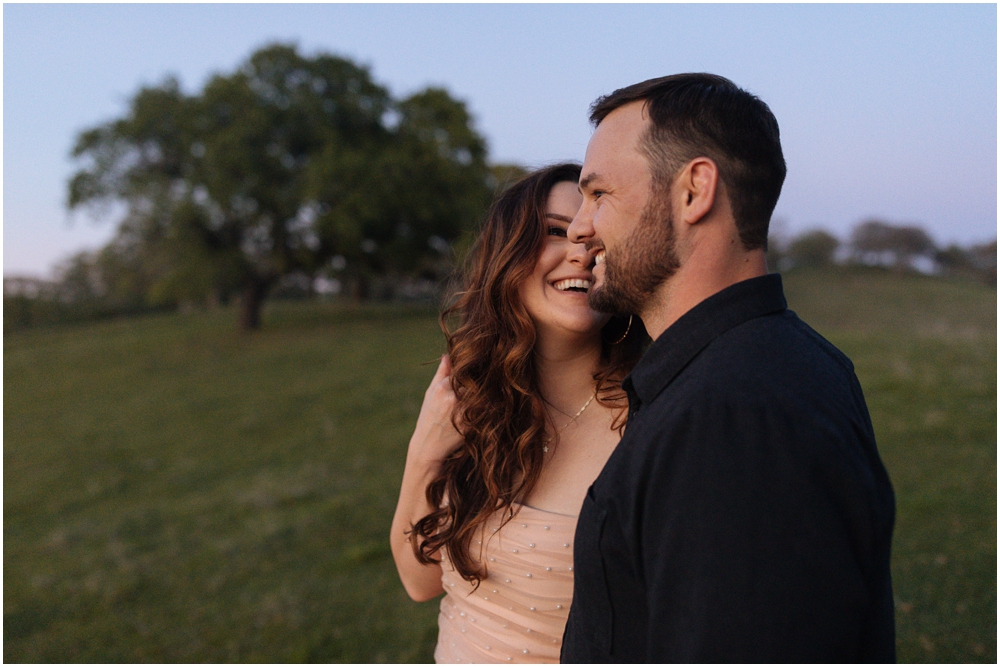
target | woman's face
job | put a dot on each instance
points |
(555, 294)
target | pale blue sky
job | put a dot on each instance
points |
(885, 110)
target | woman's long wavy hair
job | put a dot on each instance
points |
(501, 413)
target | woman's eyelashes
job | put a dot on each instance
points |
(557, 231)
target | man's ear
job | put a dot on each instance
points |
(696, 188)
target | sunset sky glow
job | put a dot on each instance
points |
(885, 110)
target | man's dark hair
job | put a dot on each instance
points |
(705, 115)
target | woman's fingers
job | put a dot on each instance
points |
(440, 375)
(443, 369)
(439, 399)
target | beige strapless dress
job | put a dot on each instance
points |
(519, 611)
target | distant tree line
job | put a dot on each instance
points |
(94, 285)
(880, 243)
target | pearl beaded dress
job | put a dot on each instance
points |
(519, 611)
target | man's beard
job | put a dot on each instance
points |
(645, 259)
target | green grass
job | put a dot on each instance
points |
(174, 491)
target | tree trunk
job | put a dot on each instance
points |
(254, 294)
(360, 288)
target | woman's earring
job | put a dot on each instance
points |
(627, 329)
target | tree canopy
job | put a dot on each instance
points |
(290, 164)
(873, 240)
(814, 248)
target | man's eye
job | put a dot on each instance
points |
(557, 231)
(597, 193)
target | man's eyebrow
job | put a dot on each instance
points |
(588, 179)
(558, 217)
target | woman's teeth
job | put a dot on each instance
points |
(574, 284)
(599, 258)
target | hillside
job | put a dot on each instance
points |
(178, 492)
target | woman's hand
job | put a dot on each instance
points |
(435, 436)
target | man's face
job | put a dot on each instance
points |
(625, 222)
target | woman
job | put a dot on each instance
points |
(519, 419)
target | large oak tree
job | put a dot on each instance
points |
(278, 168)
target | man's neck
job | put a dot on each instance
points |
(700, 276)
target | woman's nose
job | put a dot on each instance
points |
(577, 254)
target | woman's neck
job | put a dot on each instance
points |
(566, 370)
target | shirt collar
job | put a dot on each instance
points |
(698, 327)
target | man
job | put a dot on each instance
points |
(745, 516)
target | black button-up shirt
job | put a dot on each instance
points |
(745, 515)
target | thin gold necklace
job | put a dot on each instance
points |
(545, 446)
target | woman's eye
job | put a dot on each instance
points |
(557, 231)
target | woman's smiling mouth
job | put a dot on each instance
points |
(572, 285)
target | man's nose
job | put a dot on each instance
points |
(581, 229)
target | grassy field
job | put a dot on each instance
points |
(174, 491)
